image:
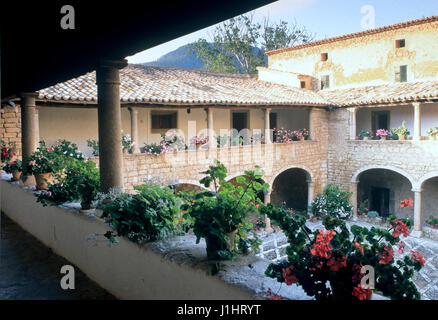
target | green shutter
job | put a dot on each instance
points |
(403, 74)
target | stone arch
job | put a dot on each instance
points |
(291, 187)
(283, 169)
(391, 168)
(381, 189)
(195, 184)
(423, 179)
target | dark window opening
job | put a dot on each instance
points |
(303, 84)
(325, 82)
(400, 43)
(401, 74)
(240, 120)
(324, 56)
(379, 120)
(380, 201)
(273, 123)
(161, 121)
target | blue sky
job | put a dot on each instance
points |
(326, 18)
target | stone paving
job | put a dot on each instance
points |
(31, 271)
(274, 248)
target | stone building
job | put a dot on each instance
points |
(336, 87)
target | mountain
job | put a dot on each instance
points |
(179, 58)
(182, 58)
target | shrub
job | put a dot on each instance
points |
(8, 151)
(11, 166)
(44, 160)
(327, 263)
(149, 215)
(94, 145)
(223, 212)
(332, 202)
(432, 222)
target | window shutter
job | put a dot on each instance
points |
(397, 74)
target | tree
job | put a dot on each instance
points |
(239, 44)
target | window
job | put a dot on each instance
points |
(401, 74)
(325, 82)
(324, 56)
(303, 84)
(239, 120)
(379, 120)
(163, 120)
(400, 43)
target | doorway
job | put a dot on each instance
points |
(380, 201)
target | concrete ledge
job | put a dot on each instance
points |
(173, 269)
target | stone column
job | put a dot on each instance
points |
(417, 121)
(29, 124)
(418, 230)
(267, 125)
(37, 123)
(268, 227)
(134, 129)
(109, 124)
(353, 125)
(310, 191)
(210, 130)
(353, 200)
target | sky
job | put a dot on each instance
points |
(325, 18)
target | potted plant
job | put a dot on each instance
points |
(198, 141)
(305, 133)
(14, 167)
(172, 141)
(328, 263)
(365, 135)
(126, 143)
(154, 149)
(256, 139)
(221, 216)
(43, 163)
(382, 133)
(8, 151)
(432, 132)
(83, 178)
(401, 131)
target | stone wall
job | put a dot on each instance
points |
(415, 160)
(10, 126)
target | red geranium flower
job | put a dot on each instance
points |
(289, 278)
(417, 257)
(407, 203)
(386, 255)
(357, 245)
(337, 264)
(399, 228)
(360, 293)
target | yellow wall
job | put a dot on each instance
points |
(367, 60)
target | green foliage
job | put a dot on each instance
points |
(333, 202)
(327, 263)
(149, 215)
(236, 42)
(44, 160)
(402, 130)
(79, 181)
(11, 166)
(224, 211)
(94, 145)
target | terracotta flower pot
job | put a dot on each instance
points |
(366, 138)
(198, 146)
(402, 138)
(302, 138)
(214, 244)
(382, 137)
(43, 179)
(16, 175)
(125, 151)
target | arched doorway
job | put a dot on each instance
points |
(290, 187)
(429, 195)
(185, 187)
(382, 190)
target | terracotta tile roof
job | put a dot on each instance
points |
(165, 85)
(357, 34)
(383, 94)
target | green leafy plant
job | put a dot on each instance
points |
(432, 222)
(79, 181)
(327, 263)
(127, 141)
(173, 141)
(221, 216)
(155, 149)
(149, 215)
(94, 145)
(365, 133)
(332, 202)
(44, 160)
(401, 131)
(14, 165)
(432, 131)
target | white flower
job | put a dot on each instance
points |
(71, 154)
